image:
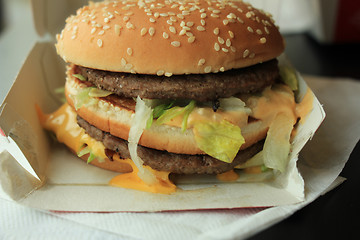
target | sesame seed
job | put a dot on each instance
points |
(222, 69)
(157, 14)
(160, 72)
(168, 74)
(117, 29)
(165, 35)
(266, 30)
(73, 36)
(101, 32)
(214, 15)
(231, 34)
(126, 18)
(129, 25)
(225, 22)
(225, 49)
(189, 34)
(189, 24)
(106, 27)
(182, 24)
(175, 43)
(151, 31)
(106, 20)
(231, 15)
(207, 69)
(216, 31)
(200, 28)
(185, 13)
(202, 21)
(182, 32)
(169, 22)
(181, 16)
(246, 53)
(262, 40)
(201, 62)
(228, 42)
(203, 15)
(248, 15)
(123, 62)
(128, 66)
(143, 31)
(172, 29)
(173, 19)
(129, 51)
(232, 48)
(191, 39)
(152, 20)
(250, 29)
(221, 40)
(93, 30)
(240, 20)
(258, 31)
(99, 42)
(164, 14)
(216, 46)
(216, 11)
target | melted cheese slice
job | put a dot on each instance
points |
(63, 123)
(133, 181)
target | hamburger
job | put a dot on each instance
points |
(174, 87)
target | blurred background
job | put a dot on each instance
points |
(322, 36)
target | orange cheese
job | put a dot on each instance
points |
(228, 176)
(133, 181)
(63, 123)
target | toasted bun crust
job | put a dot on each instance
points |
(117, 121)
(169, 38)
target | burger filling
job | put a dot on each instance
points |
(166, 161)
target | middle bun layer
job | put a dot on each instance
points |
(116, 120)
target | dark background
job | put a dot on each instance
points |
(334, 215)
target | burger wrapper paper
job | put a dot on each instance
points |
(68, 184)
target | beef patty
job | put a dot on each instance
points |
(170, 162)
(200, 87)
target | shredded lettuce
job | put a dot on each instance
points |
(61, 92)
(87, 150)
(82, 97)
(80, 77)
(233, 104)
(277, 143)
(160, 109)
(95, 92)
(187, 110)
(166, 115)
(221, 140)
(288, 76)
(86, 96)
(139, 122)
(256, 160)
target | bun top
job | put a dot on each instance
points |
(166, 37)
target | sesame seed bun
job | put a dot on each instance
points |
(169, 38)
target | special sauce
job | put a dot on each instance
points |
(63, 123)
